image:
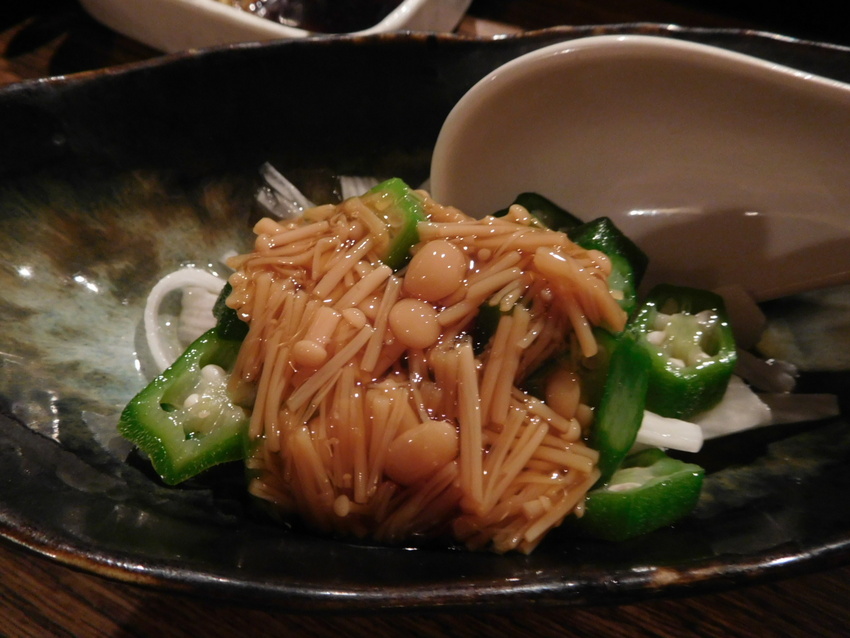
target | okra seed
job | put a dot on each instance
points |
(213, 373)
(656, 337)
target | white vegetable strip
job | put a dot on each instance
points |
(196, 310)
(741, 409)
(281, 198)
(164, 353)
(669, 433)
(352, 186)
(284, 200)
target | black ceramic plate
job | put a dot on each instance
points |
(109, 180)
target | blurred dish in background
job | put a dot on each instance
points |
(320, 16)
(176, 25)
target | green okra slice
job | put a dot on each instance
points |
(650, 491)
(687, 335)
(628, 262)
(184, 420)
(401, 209)
(621, 406)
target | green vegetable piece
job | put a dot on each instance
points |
(649, 492)
(401, 210)
(592, 379)
(486, 323)
(593, 371)
(546, 211)
(628, 262)
(688, 337)
(184, 420)
(621, 407)
(536, 383)
(228, 324)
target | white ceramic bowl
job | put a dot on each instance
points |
(175, 25)
(726, 169)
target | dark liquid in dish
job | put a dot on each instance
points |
(326, 16)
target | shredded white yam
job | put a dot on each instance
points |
(165, 345)
(281, 198)
(196, 308)
(740, 409)
(669, 433)
(352, 186)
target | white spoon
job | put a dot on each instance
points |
(725, 169)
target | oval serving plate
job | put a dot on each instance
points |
(109, 180)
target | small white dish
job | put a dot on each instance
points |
(176, 25)
(724, 168)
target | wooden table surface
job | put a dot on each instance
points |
(41, 598)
